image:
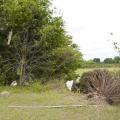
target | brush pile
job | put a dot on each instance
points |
(101, 84)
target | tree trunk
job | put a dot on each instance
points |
(23, 63)
(22, 71)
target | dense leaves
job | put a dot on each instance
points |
(33, 43)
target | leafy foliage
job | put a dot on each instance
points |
(109, 60)
(33, 43)
(96, 60)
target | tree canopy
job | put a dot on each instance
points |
(33, 43)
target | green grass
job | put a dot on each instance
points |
(81, 71)
(53, 93)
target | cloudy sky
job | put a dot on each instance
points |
(90, 23)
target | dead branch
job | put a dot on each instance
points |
(58, 106)
(10, 37)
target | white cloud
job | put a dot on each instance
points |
(90, 22)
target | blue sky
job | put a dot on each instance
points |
(90, 23)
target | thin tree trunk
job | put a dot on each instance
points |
(22, 71)
(23, 60)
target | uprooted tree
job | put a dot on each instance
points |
(29, 40)
(101, 83)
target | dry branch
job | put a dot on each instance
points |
(101, 83)
(10, 37)
(58, 106)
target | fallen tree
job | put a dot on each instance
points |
(101, 83)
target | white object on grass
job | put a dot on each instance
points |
(14, 83)
(69, 84)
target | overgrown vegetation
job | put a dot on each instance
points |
(33, 43)
(52, 94)
(101, 83)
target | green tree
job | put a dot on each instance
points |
(117, 59)
(96, 60)
(109, 60)
(31, 41)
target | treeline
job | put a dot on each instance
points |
(115, 60)
(97, 63)
(101, 65)
(33, 43)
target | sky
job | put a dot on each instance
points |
(90, 23)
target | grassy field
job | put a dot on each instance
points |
(113, 69)
(52, 94)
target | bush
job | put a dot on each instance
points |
(67, 60)
(101, 83)
(72, 76)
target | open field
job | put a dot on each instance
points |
(82, 70)
(52, 94)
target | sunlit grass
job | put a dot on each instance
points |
(82, 70)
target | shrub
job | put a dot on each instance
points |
(37, 87)
(71, 76)
(101, 83)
